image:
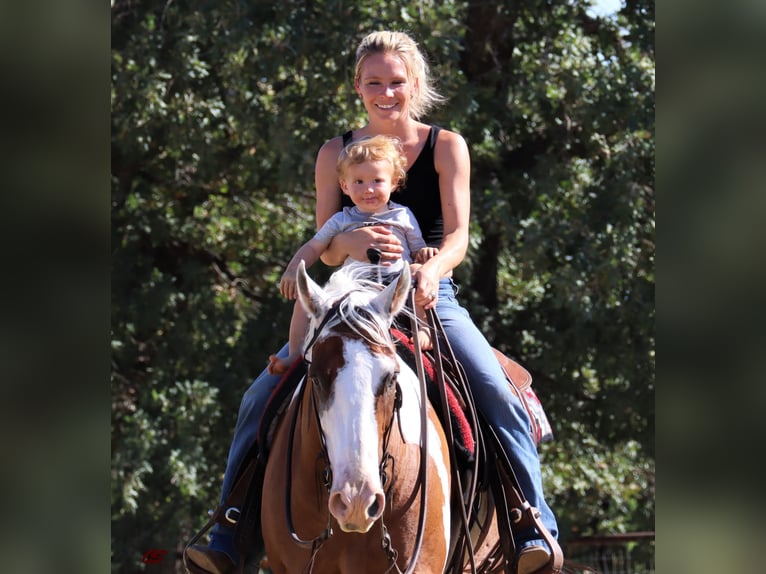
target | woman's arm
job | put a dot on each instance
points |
(453, 164)
(352, 243)
(326, 181)
(328, 197)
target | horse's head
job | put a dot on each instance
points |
(353, 370)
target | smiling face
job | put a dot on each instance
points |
(369, 184)
(385, 86)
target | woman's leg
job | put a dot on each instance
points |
(245, 432)
(499, 405)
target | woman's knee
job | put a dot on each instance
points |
(261, 388)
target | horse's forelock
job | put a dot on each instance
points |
(353, 290)
(352, 276)
(358, 316)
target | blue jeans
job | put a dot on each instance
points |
(245, 433)
(491, 392)
(495, 400)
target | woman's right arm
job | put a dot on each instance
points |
(352, 243)
(326, 181)
(328, 196)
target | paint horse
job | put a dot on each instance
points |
(358, 477)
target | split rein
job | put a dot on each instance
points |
(386, 544)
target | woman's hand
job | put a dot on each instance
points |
(426, 277)
(356, 243)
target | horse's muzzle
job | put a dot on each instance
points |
(356, 513)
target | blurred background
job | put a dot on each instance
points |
(59, 486)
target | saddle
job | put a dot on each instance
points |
(519, 380)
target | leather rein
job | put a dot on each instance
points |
(422, 480)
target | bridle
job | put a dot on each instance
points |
(386, 458)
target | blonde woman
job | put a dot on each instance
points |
(392, 79)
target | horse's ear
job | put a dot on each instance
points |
(309, 293)
(392, 299)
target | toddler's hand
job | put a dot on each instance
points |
(425, 254)
(288, 286)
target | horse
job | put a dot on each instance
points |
(358, 475)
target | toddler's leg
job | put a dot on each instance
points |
(299, 325)
(424, 331)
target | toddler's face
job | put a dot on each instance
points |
(369, 184)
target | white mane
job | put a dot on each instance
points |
(352, 288)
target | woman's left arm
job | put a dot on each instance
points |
(453, 164)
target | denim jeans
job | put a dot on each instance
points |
(245, 433)
(493, 396)
(499, 405)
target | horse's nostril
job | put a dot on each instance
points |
(375, 510)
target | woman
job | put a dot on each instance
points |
(392, 79)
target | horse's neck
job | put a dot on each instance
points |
(411, 404)
(306, 441)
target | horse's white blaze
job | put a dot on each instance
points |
(410, 418)
(349, 422)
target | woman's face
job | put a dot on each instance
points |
(385, 87)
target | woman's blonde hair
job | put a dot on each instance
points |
(374, 148)
(400, 44)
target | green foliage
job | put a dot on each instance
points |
(606, 488)
(218, 110)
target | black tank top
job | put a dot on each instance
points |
(420, 191)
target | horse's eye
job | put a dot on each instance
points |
(321, 383)
(387, 383)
